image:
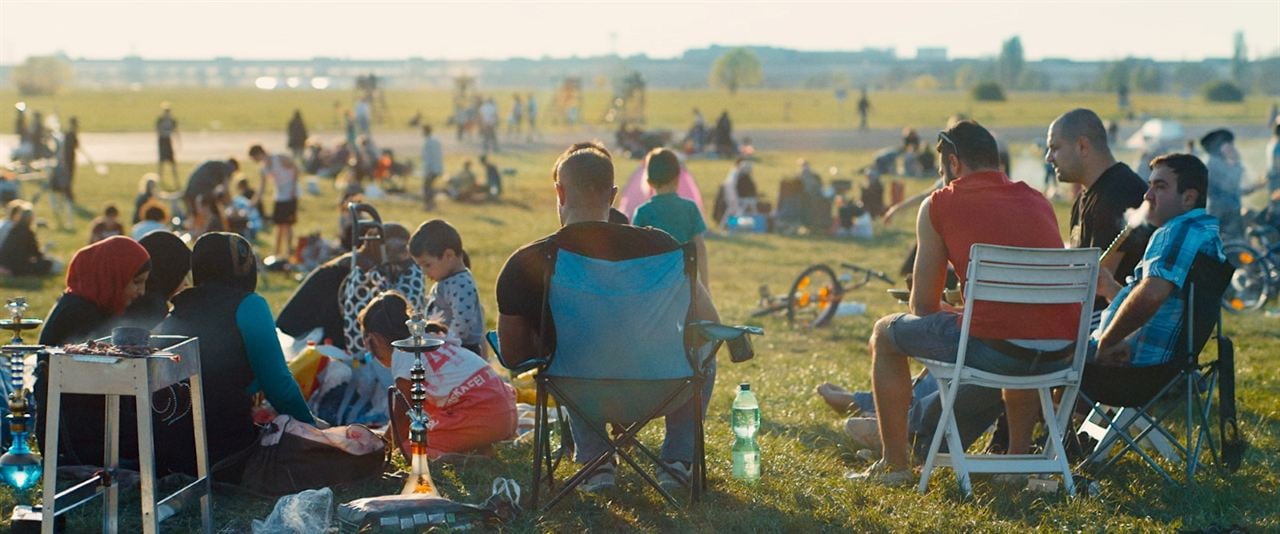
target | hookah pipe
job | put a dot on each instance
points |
(19, 468)
(419, 481)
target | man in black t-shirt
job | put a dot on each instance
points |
(1080, 154)
(204, 181)
(584, 191)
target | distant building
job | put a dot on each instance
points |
(931, 53)
(783, 68)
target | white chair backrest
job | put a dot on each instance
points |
(1034, 276)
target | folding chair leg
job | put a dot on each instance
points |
(1207, 432)
(959, 462)
(936, 443)
(698, 473)
(539, 442)
(1055, 440)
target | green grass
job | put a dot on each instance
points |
(256, 110)
(805, 453)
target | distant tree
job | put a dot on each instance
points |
(41, 75)
(1191, 76)
(988, 92)
(1223, 91)
(1267, 75)
(1011, 62)
(1138, 74)
(924, 82)
(966, 76)
(1034, 80)
(1240, 62)
(1115, 74)
(1146, 77)
(736, 69)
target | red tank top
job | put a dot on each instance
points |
(986, 207)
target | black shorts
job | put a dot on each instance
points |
(285, 212)
(166, 149)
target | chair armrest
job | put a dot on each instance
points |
(713, 331)
(738, 338)
(520, 367)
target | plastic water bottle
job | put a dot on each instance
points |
(746, 422)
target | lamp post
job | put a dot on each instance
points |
(19, 467)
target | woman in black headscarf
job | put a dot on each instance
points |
(170, 263)
(239, 357)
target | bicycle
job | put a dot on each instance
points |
(1257, 277)
(816, 293)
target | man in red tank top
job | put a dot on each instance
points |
(978, 204)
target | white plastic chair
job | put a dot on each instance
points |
(1025, 276)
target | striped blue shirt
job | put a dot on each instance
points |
(1169, 255)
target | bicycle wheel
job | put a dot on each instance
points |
(814, 297)
(1251, 284)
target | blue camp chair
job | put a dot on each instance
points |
(1145, 413)
(626, 352)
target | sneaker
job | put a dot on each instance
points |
(864, 431)
(675, 482)
(604, 478)
(881, 473)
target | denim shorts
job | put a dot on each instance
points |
(937, 337)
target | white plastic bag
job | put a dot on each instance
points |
(301, 513)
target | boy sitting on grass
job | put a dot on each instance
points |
(668, 212)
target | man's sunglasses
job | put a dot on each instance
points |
(943, 138)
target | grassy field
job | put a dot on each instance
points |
(805, 452)
(256, 110)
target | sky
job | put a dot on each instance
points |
(1082, 30)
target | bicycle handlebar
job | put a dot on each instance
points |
(871, 273)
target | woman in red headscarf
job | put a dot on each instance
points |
(102, 279)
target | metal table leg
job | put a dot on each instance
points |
(202, 453)
(111, 461)
(146, 458)
(52, 412)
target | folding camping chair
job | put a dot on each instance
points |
(1025, 276)
(1206, 281)
(626, 352)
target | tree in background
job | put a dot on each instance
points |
(1140, 74)
(736, 69)
(1267, 71)
(1191, 76)
(1240, 62)
(1011, 62)
(41, 76)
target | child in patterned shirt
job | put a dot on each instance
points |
(437, 248)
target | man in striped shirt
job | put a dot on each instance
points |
(1137, 339)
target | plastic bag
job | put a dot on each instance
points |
(307, 512)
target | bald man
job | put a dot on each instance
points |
(1079, 153)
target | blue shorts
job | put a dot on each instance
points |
(937, 337)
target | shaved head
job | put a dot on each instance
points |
(1084, 123)
(585, 170)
